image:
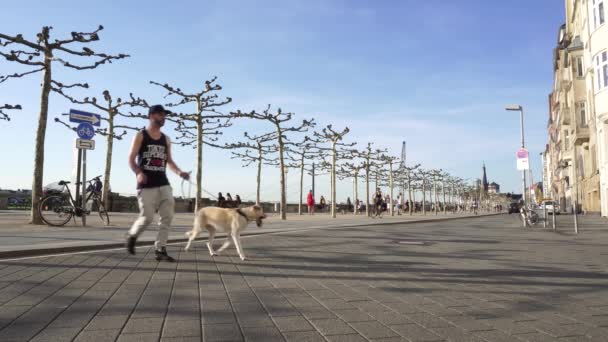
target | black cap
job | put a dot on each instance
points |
(158, 109)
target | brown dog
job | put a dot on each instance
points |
(231, 221)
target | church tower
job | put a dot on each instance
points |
(484, 179)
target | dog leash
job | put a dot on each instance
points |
(190, 183)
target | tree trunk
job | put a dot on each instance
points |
(40, 137)
(443, 190)
(258, 179)
(436, 210)
(356, 195)
(392, 206)
(283, 204)
(301, 184)
(367, 211)
(199, 158)
(424, 196)
(333, 180)
(409, 189)
(109, 149)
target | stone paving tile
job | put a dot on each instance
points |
(303, 336)
(292, 323)
(98, 335)
(222, 332)
(346, 338)
(416, 333)
(332, 327)
(143, 325)
(143, 337)
(373, 330)
(56, 335)
(262, 334)
(353, 315)
(181, 328)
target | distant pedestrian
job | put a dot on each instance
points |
(221, 200)
(229, 201)
(378, 202)
(149, 158)
(310, 202)
(322, 203)
(349, 204)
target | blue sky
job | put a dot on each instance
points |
(434, 73)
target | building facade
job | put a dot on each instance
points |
(575, 160)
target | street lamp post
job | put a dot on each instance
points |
(520, 109)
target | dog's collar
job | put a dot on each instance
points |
(242, 214)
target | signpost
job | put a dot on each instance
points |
(85, 132)
(79, 116)
(523, 162)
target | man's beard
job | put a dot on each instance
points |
(159, 123)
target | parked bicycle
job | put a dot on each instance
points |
(58, 206)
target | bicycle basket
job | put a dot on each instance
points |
(53, 188)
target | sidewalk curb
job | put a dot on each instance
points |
(108, 246)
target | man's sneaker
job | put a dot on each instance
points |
(161, 255)
(131, 244)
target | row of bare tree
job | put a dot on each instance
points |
(199, 121)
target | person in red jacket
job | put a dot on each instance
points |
(310, 201)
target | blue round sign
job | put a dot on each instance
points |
(85, 131)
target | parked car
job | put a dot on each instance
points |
(513, 208)
(549, 205)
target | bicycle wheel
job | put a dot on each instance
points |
(103, 213)
(55, 210)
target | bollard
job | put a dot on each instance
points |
(574, 211)
(545, 219)
(553, 218)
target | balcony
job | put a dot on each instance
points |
(564, 116)
(581, 134)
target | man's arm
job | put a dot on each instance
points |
(171, 163)
(135, 146)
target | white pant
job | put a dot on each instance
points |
(151, 200)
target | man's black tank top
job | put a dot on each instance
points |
(152, 160)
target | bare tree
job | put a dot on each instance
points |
(5, 116)
(410, 176)
(111, 108)
(339, 150)
(435, 174)
(390, 161)
(278, 120)
(39, 55)
(259, 144)
(370, 158)
(299, 154)
(353, 170)
(202, 125)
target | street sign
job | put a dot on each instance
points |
(522, 153)
(85, 144)
(523, 162)
(85, 131)
(79, 116)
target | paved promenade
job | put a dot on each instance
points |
(483, 279)
(16, 235)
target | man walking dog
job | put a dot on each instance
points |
(149, 157)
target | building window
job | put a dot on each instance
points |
(601, 70)
(581, 113)
(566, 140)
(579, 67)
(598, 13)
